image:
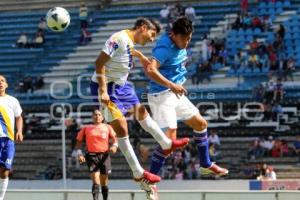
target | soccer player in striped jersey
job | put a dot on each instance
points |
(118, 98)
(10, 115)
(97, 137)
(166, 96)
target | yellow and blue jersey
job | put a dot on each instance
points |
(119, 47)
(9, 109)
(172, 63)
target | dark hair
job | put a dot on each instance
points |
(3, 77)
(150, 23)
(182, 26)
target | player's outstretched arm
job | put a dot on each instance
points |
(142, 58)
(152, 72)
(100, 70)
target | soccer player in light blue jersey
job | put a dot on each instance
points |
(166, 96)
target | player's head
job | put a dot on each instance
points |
(146, 30)
(97, 117)
(3, 84)
(181, 32)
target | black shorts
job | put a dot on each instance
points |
(98, 162)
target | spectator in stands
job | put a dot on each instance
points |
(267, 173)
(285, 149)
(214, 139)
(267, 22)
(39, 82)
(164, 14)
(288, 69)
(223, 55)
(277, 149)
(257, 23)
(180, 9)
(267, 145)
(85, 36)
(269, 91)
(237, 61)
(204, 72)
(255, 150)
(237, 23)
(42, 26)
(192, 170)
(204, 49)
(141, 150)
(296, 146)
(96, 137)
(278, 91)
(28, 84)
(273, 64)
(38, 41)
(244, 6)
(22, 41)
(83, 16)
(281, 32)
(278, 44)
(254, 62)
(258, 93)
(213, 153)
(246, 21)
(250, 172)
(190, 13)
(32, 124)
(276, 111)
(254, 46)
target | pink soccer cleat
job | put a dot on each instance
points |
(176, 144)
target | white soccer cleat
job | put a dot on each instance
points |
(150, 189)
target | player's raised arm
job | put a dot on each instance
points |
(100, 71)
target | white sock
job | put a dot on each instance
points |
(127, 150)
(152, 127)
(3, 187)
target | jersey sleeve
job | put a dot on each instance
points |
(161, 54)
(112, 45)
(17, 108)
(80, 135)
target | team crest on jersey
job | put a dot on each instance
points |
(113, 45)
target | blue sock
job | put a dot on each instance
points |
(201, 141)
(157, 160)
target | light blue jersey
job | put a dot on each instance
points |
(172, 63)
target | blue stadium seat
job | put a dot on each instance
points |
(257, 31)
(278, 4)
(249, 31)
(286, 4)
(278, 10)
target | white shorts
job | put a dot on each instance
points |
(167, 108)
